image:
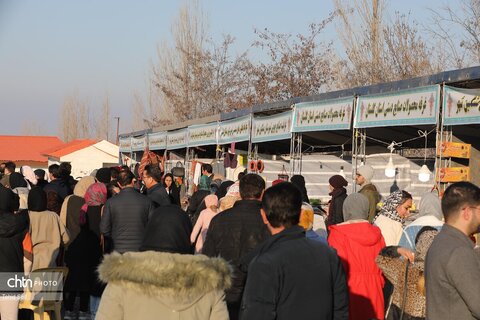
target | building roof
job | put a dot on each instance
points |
(27, 148)
(67, 148)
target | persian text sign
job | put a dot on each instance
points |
(461, 106)
(157, 141)
(139, 143)
(454, 174)
(406, 107)
(455, 150)
(125, 144)
(177, 139)
(325, 115)
(276, 127)
(234, 130)
(202, 135)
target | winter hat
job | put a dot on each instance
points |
(366, 171)
(103, 175)
(337, 181)
(355, 206)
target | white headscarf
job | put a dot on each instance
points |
(29, 175)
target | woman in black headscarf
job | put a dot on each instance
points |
(222, 191)
(19, 185)
(299, 182)
(13, 227)
(171, 187)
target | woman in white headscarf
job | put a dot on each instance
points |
(29, 175)
(429, 214)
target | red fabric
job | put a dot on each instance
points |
(357, 245)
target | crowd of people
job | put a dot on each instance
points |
(138, 247)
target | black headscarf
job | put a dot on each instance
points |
(299, 182)
(37, 200)
(17, 180)
(9, 201)
(222, 191)
(168, 230)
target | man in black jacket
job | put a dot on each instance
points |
(125, 216)
(292, 277)
(235, 232)
(152, 176)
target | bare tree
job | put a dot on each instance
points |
(360, 30)
(463, 47)
(74, 119)
(299, 65)
(196, 77)
(138, 113)
(32, 128)
(103, 124)
(378, 50)
(407, 55)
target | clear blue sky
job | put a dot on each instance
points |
(50, 49)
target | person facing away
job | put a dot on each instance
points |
(408, 297)
(47, 232)
(307, 215)
(430, 214)
(19, 185)
(235, 232)
(299, 181)
(291, 276)
(337, 185)
(40, 175)
(200, 229)
(125, 216)
(392, 216)
(358, 243)
(452, 267)
(57, 190)
(161, 281)
(152, 177)
(368, 189)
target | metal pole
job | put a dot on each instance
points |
(118, 126)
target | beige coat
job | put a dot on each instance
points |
(160, 285)
(47, 233)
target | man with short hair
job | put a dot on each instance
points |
(233, 233)
(292, 277)
(207, 170)
(452, 268)
(152, 177)
(364, 180)
(8, 168)
(56, 189)
(125, 216)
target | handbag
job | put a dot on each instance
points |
(283, 175)
(398, 313)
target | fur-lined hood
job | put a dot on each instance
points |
(178, 279)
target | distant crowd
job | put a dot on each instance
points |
(137, 246)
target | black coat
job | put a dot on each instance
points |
(168, 230)
(232, 234)
(158, 195)
(293, 277)
(195, 203)
(335, 212)
(125, 218)
(13, 228)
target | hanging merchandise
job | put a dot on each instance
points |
(283, 175)
(252, 166)
(260, 166)
(178, 170)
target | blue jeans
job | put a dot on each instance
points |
(94, 303)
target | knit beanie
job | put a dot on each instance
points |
(366, 171)
(337, 181)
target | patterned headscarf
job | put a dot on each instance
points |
(96, 195)
(389, 208)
